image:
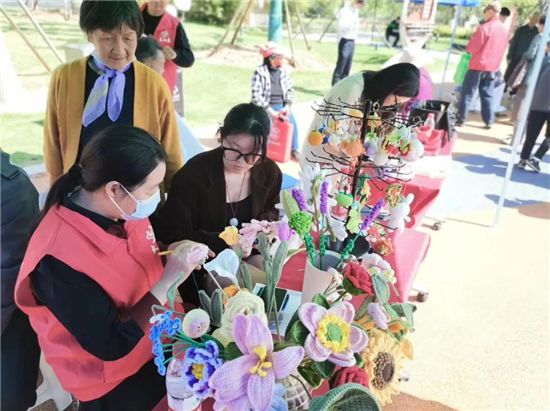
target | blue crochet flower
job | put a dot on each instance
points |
(200, 364)
(161, 368)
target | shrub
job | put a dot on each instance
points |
(215, 12)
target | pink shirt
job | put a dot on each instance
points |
(488, 45)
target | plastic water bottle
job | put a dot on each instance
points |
(430, 121)
(179, 397)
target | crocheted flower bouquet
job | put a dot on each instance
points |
(231, 356)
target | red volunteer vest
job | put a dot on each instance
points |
(125, 268)
(165, 34)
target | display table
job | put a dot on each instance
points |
(425, 190)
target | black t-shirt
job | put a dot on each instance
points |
(126, 116)
(243, 211)
(277, 95)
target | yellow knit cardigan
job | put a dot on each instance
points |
(153, 112)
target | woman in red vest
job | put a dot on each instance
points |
(92, 272)
(170, 34)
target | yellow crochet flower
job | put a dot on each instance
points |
(243, 302)
(333, 332)
(230, 235)
(383, 362)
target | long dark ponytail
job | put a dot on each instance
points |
(125, 154)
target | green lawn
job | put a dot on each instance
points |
(210, 89)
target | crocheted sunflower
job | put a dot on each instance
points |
(383, 362)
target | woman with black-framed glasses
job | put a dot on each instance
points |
(229, 185)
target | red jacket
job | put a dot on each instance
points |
(488, 45)
(165, 34)
(125, 268)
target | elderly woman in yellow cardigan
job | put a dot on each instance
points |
(107, 88)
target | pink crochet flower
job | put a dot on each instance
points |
(331, 335)
(249, 381)
(198, 254)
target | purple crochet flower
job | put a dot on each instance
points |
(200, 364)
(298, 195)
(331, 335)
(367, 222)
(284, 232)
(324, 198)
(250, 379)
(379, 315)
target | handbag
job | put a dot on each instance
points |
(462, 68)
(517, 76)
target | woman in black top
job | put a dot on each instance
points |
(229, 185)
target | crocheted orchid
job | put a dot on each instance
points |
(331, 335)
(249, 381)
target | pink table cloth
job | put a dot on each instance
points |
(425, 190)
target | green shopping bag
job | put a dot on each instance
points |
(462, 68)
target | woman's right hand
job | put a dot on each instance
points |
(177, 263)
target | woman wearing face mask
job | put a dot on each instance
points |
(107, 88)
(272, 89)
(391, 86)
(229, 185)
(92, 272)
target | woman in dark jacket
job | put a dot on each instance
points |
(229, 185)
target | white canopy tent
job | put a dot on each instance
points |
(523, 116)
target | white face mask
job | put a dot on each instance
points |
(144, 207)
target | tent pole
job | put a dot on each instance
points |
(457, 20)
(40, 31)
(26, 40)
(524, 111)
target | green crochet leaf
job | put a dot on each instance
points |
(274, 275)
(245, 275)
(359, 362)
(392, 313)
(321, 300)
(205, 302)
(171, 293)
(288, 332)
(405, 310)
(362, 310)
(349, 397)
(325, 369)
(264, 246)
(299, 333)
(381, 289)
(217, 308)
(310, 376)
(231, 352)
(289, 204)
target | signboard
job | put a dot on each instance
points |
(177, 98)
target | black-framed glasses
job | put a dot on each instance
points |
(231, 154)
